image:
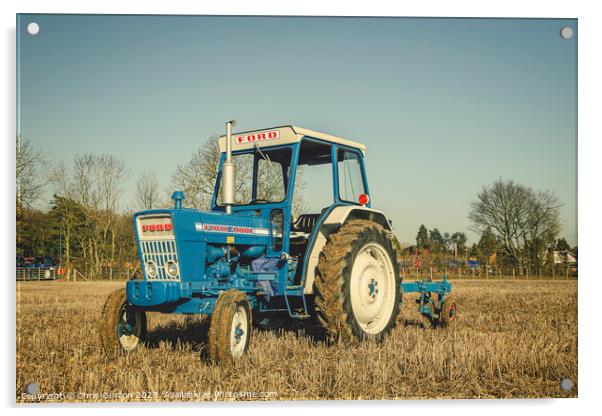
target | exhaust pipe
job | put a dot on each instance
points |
(228, 171)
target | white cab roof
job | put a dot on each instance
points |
(281, 135)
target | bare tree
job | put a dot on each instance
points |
(30, 182)
(147, 191)
(524, 220)
(95, 184)
(541, 227)
(59, 177)
(109, 180)
(85, 170)
(111, 173)
(29, 176)
(84, 173)
(197, 178)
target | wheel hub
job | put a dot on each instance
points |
(129, 328)
(372, 288)
(126, 328)
(238, 335)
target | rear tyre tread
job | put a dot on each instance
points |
(214, 326)
(334, 310)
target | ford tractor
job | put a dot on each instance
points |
(249, 261)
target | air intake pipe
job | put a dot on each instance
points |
(178, 197)
(228, 171)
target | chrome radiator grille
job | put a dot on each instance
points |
(160, 252)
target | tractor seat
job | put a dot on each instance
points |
(305, 223)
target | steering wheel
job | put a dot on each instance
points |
(260, 200)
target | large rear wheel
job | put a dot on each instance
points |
(358, 284)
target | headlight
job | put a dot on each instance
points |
(151, 269)
(171, 268)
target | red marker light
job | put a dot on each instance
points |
(363, 199)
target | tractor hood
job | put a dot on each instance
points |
(218, 227)
(207, 226)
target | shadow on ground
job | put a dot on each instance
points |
(196, 333)
(193, 333)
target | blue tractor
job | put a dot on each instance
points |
(248, 261)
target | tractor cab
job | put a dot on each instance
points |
(270, 164)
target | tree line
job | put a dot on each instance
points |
(439, 242)
(519, 228)
(85, 225)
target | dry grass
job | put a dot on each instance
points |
(513, 339)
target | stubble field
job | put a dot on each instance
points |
(512, 339)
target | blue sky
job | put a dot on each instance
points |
(445, 106)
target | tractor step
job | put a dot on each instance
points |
(296, 292)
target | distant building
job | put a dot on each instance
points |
(562, 257)
(472, 262)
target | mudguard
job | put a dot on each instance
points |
(338, 216)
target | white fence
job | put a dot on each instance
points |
(37, 273)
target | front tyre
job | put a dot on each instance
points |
(358, 285)
(123, 327)
(230, 330)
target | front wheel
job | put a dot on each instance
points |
(358, 285)
(230, 330)
(123, 327)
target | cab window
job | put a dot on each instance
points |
(314, 184)
(351, 182)
(261, 176)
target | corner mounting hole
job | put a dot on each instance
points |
(566, 384)
(32, 388)
(33, 28)
(566, 32)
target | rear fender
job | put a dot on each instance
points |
(337, 217)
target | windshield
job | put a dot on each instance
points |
(261, 176)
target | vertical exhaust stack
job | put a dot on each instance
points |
(228, 171)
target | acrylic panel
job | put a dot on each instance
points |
(295, 208)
